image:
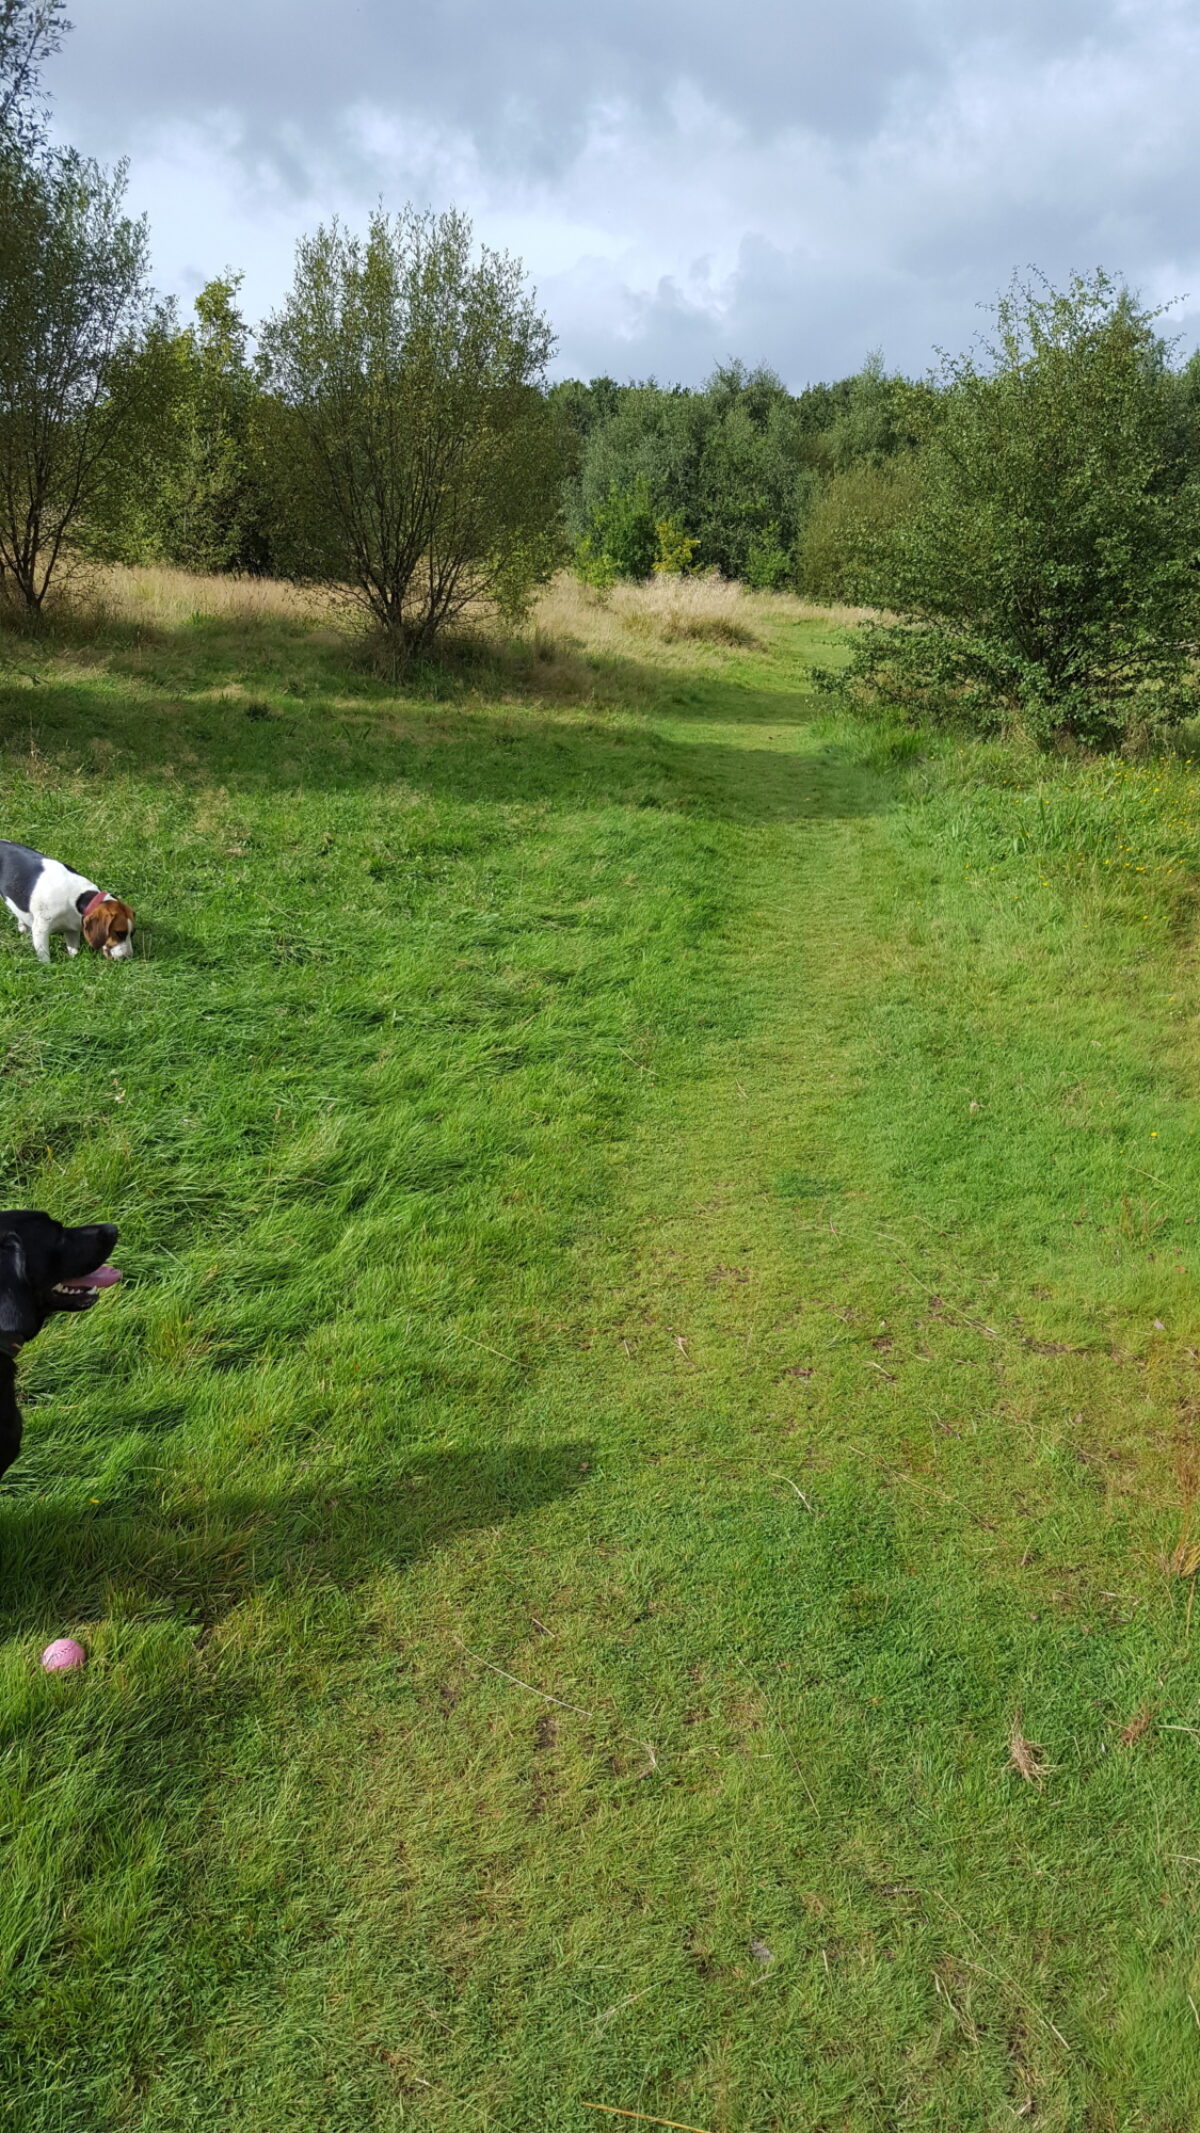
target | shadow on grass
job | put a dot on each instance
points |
(297, 655)
(731, 700)
(62, 1561)
(539, 671)
(470, 753)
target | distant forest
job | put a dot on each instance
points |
(732, 469)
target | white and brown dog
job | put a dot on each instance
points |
(46, 897)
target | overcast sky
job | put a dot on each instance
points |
(685, 180)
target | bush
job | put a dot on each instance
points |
(768, 566)
(593, 566)
(1045, 573)
(845, 544)
(675, 549)
(622, 539)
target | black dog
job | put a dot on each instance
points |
(43, 1268)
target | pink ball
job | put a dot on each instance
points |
(64, 1652)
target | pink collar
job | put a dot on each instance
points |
(98, 899)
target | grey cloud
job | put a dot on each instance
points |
(810, 322)
(780, 311)
(857, 175)
(522, 81)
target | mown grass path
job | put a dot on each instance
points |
(660, 1339)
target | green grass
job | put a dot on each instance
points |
(660, 1323)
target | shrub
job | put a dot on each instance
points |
(593, 566)
(675, 548)
(844, 547)
(768, 566)
(1046, 572)
(623, 535)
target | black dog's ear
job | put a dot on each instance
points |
(16, 1316)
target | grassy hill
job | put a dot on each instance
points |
(633, 1515)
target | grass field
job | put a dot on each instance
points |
(633, 1517)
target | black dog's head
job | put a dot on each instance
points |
(45, 1268)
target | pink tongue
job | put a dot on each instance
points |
(103, 1278)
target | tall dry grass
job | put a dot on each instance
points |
(667, 619)
(675, 610)
(164, 597)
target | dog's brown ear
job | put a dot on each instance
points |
(108, 922)
(95, 926)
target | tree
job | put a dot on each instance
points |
(78, 394)
(412, 447)
(727, 464)
(876, 420)
(209, 511)
(1047, 570)
(753, 487)
(30, 31)
(636, 462)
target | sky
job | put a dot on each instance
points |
(792, 182)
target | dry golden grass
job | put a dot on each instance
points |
(157, 594)
(686, 610)
(667, 620)
(582, 644)
(1025, 1756)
